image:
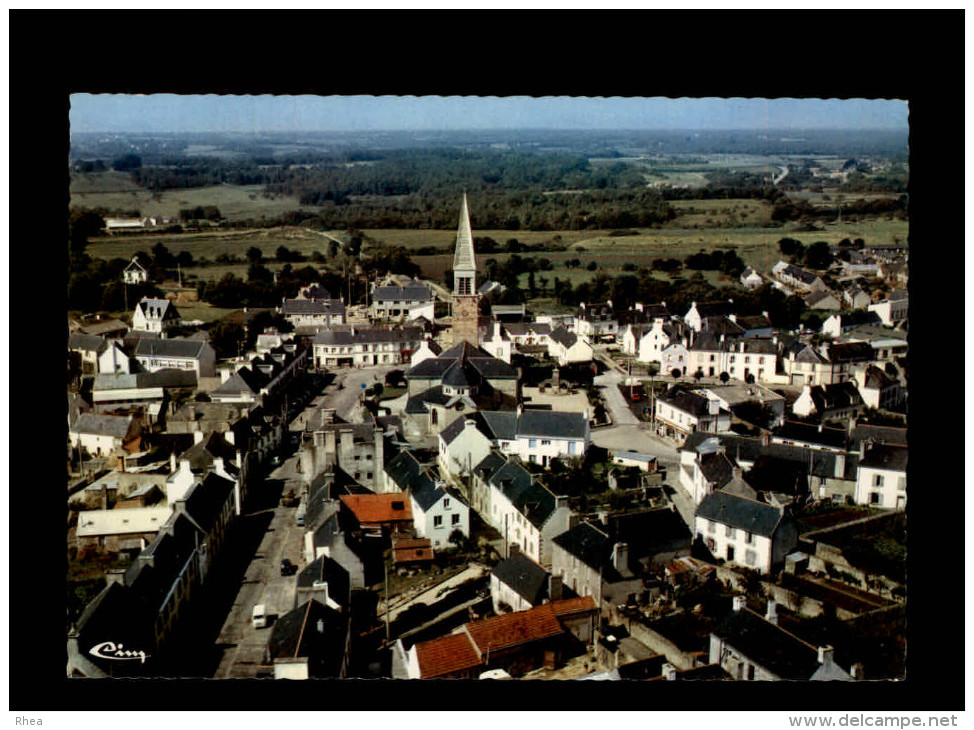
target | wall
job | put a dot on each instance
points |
(716, 534)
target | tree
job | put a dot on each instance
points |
(254, 255)
(749, 378)
(675, 372)
(592, 266)
(818, 256)
(724, 377)
(699, 374)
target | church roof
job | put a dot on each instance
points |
(463, 257)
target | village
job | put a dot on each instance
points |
(613, 493)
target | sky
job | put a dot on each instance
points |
(155, 113)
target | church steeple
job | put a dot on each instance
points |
(464, 260)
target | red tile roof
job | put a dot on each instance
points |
(373, 508)
(572, 605)
(513, 629)
(409, 550)
(446, 655)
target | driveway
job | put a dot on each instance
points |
(346, 400)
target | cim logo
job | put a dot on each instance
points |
(117, 652)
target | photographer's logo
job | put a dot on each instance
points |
(117, 652)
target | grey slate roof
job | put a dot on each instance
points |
(811, 434)
(244, 380)
(684, 400)
(858, 317)
(404, 468)
(489, 465)
(527, 496)
(329, 571)
(717, 468)
(206, 500)
(366, 335)
(588, 543)
(415, 291)
(768, 645)
(92, 423)
(563, 337)
(88, 343)
(740, 512)
(879, 434)
(295, 634)
(750, 449)
(524, 576)
(524, 328)
(179, 348)
(885, 456)
(312, 306)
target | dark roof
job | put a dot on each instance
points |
(461, 374)
(712, 309)
(426, 492)
(858, 317)
(312, 306)
(326, 570)
(206, 500)
(768, 645)
(812, 434)
(648, 532)
(147, 347)
(163, 308)
(757, 321)
(214, 444)
(244, 380)
(411, 292)
(721, 325)
(745, 448)
(835, 395)
(311, 630)
(524, 576)
(489, 465)
(556, 424)
(717, 468)
(804, 276)
(775, 474)
(368, 335)
(588, 543)
(528, 496)
(404, 468)
(684, 400)
(876, 378)
(563, 337)
(476, 364)
(91, 343)
(740, 512)
(885, 456)
(887, 434)
(523, 328)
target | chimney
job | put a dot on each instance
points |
(669, 672)
(603, 516)
(554, 588)
(115, 575)
(772, 613)
(740, 602)
(620, 557)
(857, 671)
(120, 460)
(737, 472)
(722, 338)
(192, 411)
(172, 462)
(825, 654)
(742, 347)
(520, 410)
(732, 318)
(197, 437)
(218, 466)
(230, 436)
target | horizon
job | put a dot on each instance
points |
(266, 114)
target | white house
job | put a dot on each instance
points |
(895, 308)
(102, 435)
(182, 354)
(114, 359)
(527, 334)
(680, 412)
(710, 355)
(539, 436)
(135, 273)
(155, 315)
(410, 301)
(313, 312)
(881, 479)
(424, 351)
(838, 324)
(877, 388)
(88, 348)
(654, 341)
(438, 510)
(518, 583)
(645, 462)
(365, 346)
(462, 446)
(595, 322)
(698, 312)
(751, 279)
(744, 531)
(566, 347)
(499, 344)
(675, 356)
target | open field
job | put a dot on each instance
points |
(113, 190)
(211, 244)
(202, 311)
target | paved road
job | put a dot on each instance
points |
(243, 645)
(346, 400)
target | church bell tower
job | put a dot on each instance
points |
(466, 301)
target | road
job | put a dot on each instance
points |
(345, 400)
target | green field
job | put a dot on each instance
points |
(115, 191)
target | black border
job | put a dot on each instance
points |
(871, 54)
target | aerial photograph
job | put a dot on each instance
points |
(468, 387)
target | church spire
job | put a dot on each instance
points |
(463, 258)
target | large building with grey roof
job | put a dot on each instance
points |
(403, 302)
(363, 346)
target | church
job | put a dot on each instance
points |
(468, 324)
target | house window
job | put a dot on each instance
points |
(875, 498)
(750, 671)
(749, 537)
(438, 521)
(446, 504)
(750, 557)
(532, 443)
(729, 531)
(877, 480)
(545, 442)
(572, 447)
(454, 519)
(711, 527)
(901, 484)
(730, 553)
(712, 358)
